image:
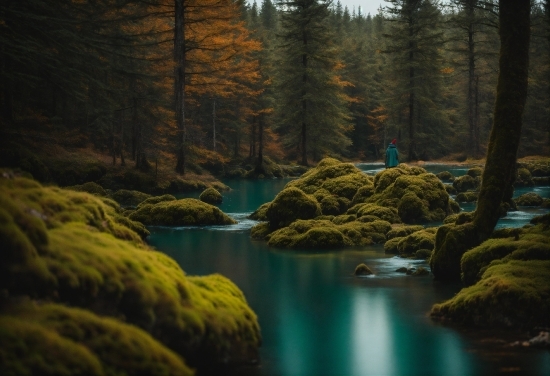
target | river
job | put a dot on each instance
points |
(318, 319)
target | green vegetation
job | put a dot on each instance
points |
(184, 212)
(126, 197)
(211, 196)
(67, 248)
(529, 199)
(290, 205)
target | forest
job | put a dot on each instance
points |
(195, 85)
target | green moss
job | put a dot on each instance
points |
(423, 239)
(384, 213)
(451, 242)
(184, 212)
(450, 189)
(390, 247)
(362, 269)
(63, 246)
(89, 187)
(475, 172)
(466, 183)
(126, 197)
(467, 196)
(529, 199)
(362, 194)
(211, 196)
(345, 218)
(523, 245)
(403, 230)
(423, 254)
(523, 178)
(260, 231)
(155, 200)
(514, 293)
(290, 205)
(55, 340)
(260, 213)
(445, 176)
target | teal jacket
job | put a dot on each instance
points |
(392, 156)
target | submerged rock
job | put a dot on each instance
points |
(362, 269)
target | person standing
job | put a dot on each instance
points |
(392, 156)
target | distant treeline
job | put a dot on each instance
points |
(203, 82)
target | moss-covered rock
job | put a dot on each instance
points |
(469, 196)
(260, 213)
(65, 246)
(466, 183)
(362, 269)
(290, 205)
(420, 271)
(529, 199)
(423, 239)
(381, 212)
(52, 339)
(390, 246)
(184, 212)
(475, 172)
(260, 231)
(450, 189)
(445, 176)
(89, 187)
(514, 293)
(523, 178)
(211, 196)
(155, 200)
(403, 230)
(127, 197)
(423, 254)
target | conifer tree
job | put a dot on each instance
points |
(312, 107)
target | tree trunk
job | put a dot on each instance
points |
(514, 34)
(304, 104)
(179, 58)
(453, 240)
(214, 124)
(261, 140)
(471, 78)
(252, 149)
(412, 143)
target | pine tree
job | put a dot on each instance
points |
(312, 106)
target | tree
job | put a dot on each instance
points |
(453, 240)
(413, 42)
(312, 106)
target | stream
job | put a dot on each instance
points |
(318, 319)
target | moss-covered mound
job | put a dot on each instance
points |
(155, 200)
(66, 247)
(339, 193)
(510, 277)
(469, 196)
(523, 178)
(403, 230)
(184, 212)
(466, 183)
(529, 199)
(445, 176)
(52, 339)
(409, 245)
(325, 234)
(211, 196)
(126, 197)
(290, 205)
(90, 187)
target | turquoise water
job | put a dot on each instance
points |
(317, 319)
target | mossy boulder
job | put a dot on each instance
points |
(65, 247)
(529, 199)
(89, 187)
(260, 231)
(131, 198)
(509, 294)
(184, 212)
(420, 271)
(475, 172)
(521, 244)
(467, 196)
(523, 178)
(362, 269)
(445, 176)
(450, 189)
(322, 233)
(423, 239)
(155, 200)
(381, 212)
(403, 230)
(290, 205)
(51, 339)
(390, 246)
(211, 196)
(260, 213)
(466, 183)
(423, 254)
